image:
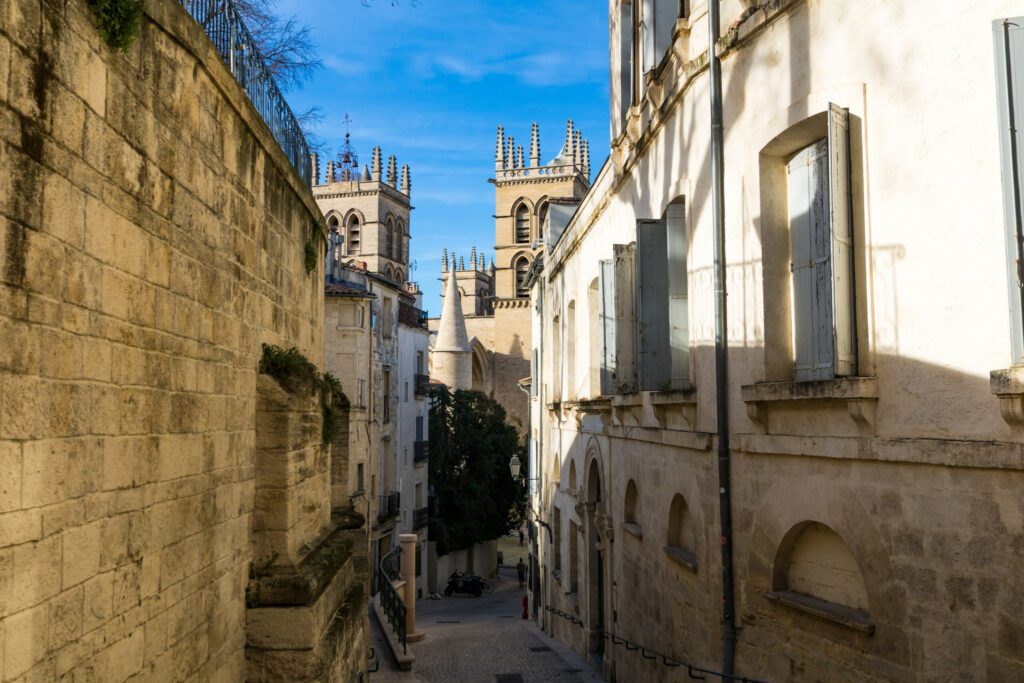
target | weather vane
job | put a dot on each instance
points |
(348, 158)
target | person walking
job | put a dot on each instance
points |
(520, 537)
(521, 571)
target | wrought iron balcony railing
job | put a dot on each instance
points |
(420, 518)
(390, 507)
(228, 33)
(421, 451)
(422, 385)
(391, 604)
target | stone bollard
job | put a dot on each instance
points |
(408, 542)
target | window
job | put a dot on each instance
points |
(400, 242)
(630, 520)
(353, 235)
(659, 27)
(406, 394)
(522, 225)
(682, 545)
(556, 359)
(360, 472)
(419, 428)
(386, 386)
(574, 557)
(815, 571)
(389, 236)
(522, 269)
(386, 322)
(570, 350)
(419, 363)
(625, 82)
(821, 255)
(594, 340)
(572, 477)
(361, 393)
(419, 495)
(542, 215)
(556, 525)
(360, 316)
(1009, 39)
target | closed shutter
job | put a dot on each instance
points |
(843, 309)
(1009, 47)
(654, 355)
(811, 251)
(608, 366)
(678, 295)
(625, 318)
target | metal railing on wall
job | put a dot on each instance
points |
(391, 603)
(228, 33)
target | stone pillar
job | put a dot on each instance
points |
(408, 542)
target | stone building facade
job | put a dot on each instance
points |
(494, 301)
(877, 525)
(153, 238)
(375, 342)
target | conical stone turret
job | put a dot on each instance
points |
(453, 364)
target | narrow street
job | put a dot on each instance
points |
(482, 640)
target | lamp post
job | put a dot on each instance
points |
(514, 465)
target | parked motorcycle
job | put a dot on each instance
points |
(459, 582)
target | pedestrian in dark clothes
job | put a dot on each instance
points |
(521, 571)
(520, 537)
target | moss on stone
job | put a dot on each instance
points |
(118, 21)
(294, 372)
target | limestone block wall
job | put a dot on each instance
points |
(151, 237)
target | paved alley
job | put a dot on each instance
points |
(483, 640)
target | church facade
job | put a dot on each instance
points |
(494, 300)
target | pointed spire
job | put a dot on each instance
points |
(499, 150)
(511, 154)
(444, 260)
(392, 171)
(535, 146)
(452, 361)
(472, 258)
(586, 158)
(314, 160)
(483, 263)
(491, 269)
(519, 158)
(577, 148)
(462, 263)
(406, 186)
(569, 137)
(366, 173)
(375, 165)
(330, 171)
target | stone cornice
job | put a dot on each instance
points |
(511, 303)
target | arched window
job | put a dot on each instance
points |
(522, 268)
(682, 537)
(815, 570)
(389, 245)
(353, 235)
(542, 215)
(572, 477)
(522, 225)
(630, 519)
(570, 350)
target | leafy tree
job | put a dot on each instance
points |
(471, 444)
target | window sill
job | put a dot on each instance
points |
(633, 529)
(682, 557)
(675, 409)
(859, 393)
(1008, 386)
(823, 609)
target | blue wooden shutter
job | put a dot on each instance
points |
(678, 295)
(625, 318)
(654, 355)
(841, 223)
(608, 366)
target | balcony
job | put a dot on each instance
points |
(422, 385)
(420, 518)
(390, 507)
(421, 451)
(411, 316)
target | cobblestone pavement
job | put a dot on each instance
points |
(478, 640)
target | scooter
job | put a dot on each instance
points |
(465, 583)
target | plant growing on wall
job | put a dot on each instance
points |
(471, 444)
(117, 21)
(295, 373)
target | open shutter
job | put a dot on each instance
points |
(608, 367)
(625, 318)
(843, 309)
(678, 295)
(654, 354)
(647, 20)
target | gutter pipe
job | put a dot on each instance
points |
(721, 343)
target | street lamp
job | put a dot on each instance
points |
(515, 465)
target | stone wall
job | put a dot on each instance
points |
(152, 237)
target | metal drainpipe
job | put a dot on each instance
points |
(721, 344)
(1014, 162)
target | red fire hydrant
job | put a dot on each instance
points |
(525, 603)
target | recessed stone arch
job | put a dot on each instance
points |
(631, 504)
(483, 380)
(815, 561)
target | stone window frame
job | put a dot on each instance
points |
(630, 509)
(675, 549)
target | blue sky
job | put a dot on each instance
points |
(431, 83)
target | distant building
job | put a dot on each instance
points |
(874, 345)
(494, 301)
(375, 342)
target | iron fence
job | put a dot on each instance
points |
(420, 518)
(391, 603)
(228, 33)
(420, 451)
